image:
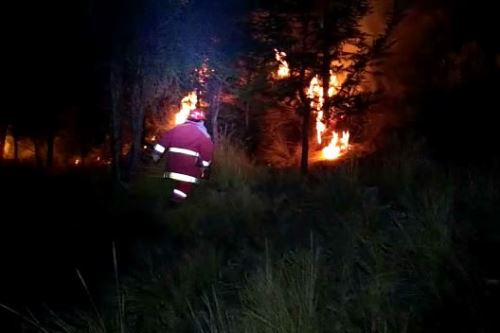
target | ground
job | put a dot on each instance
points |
(386, 242)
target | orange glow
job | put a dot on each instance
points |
(7, 148)
(320, 126)
(77, 161)
(204, 73)
(188, 103)
(26, 149)
(337, 146)
(315, 93)
(283, 69)
(192, 99)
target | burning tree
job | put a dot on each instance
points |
(314, 43)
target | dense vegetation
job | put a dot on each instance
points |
(391, 242)
(400, 234)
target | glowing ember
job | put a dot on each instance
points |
(203, 73)
(283, 70)
(188, 103)
(77, 161)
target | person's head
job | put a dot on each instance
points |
(197, 115)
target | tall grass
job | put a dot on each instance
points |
(232, 167)
(247, 262)
(213, 317)
(279, 297)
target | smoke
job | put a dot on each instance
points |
(375, 23)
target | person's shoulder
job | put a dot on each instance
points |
(164, 132)
(177, 127)
(189, 124)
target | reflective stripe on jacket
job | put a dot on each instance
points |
(188, 147)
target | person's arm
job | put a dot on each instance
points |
(206, 155)
(161, 146)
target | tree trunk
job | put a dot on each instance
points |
(38, 153)
(3, 138)
(304, 160)
(247, 116)
(50, 149)
(16, 147)
(325, 78)
(116, 86)
(325, 66)
(215, 108)
(137, 118)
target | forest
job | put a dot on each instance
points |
(354, 184)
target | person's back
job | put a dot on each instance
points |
(189, 151)
(187, 146)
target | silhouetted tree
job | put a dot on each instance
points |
(320, 37)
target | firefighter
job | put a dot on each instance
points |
(188, 149)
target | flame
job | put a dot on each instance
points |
(315, 93)
(283, 69)
(320, 126)
(77, 161)
(337, 146)
(188, 103)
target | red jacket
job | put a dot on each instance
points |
(188, 148)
